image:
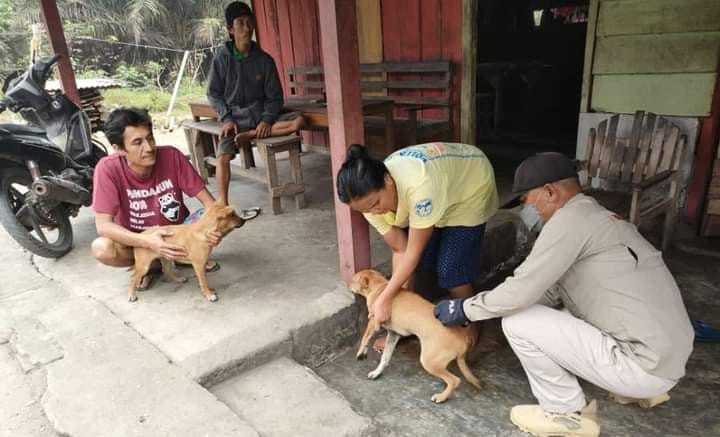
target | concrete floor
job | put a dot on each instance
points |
(400, 403)
(280, 296)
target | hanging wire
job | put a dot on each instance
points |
(147, 46)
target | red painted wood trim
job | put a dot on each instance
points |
(53, 24)
(342, 78)
(704, 159)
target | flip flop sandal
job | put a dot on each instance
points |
(250, 213)
(149, 279)
(214, 266)
(705, 333)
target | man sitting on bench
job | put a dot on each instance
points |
(244, 89)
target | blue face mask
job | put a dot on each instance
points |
(531, 217)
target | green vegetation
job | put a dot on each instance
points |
(119, 39)
(156, 101)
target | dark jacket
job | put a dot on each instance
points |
(246, 91)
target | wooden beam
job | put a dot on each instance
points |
(342, 78)
(589, 55)
(468, 87)
(704, 157)
(53, 24)
(370, 40)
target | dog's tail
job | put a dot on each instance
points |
(465, 370)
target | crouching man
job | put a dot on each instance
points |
(624, 326)
(139, 187)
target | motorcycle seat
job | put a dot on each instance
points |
(22, 129)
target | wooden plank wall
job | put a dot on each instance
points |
(289, 30)
(388, 31)
(425, 30)
(656, 55)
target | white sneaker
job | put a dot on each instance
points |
(538, 422)
(644, 403)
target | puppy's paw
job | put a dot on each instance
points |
(361, 356)
(375, 374)
(179, 279)
(438, 398)
(132, 298)
(212, 297)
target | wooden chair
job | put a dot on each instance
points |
(639, 176)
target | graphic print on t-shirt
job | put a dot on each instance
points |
(144, 203)
(169, 207)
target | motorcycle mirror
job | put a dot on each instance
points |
(8, 79)
(47, 67)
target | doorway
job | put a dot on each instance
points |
(529, 75)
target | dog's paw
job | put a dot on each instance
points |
(132, 298)
(180, 279)
(438, 398)
(212, 298)
(361, 356)
(375, 374)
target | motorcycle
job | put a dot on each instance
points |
(46, 166)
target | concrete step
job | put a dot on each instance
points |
(283, 398)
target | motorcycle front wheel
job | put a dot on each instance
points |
(47, 234)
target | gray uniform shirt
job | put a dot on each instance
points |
(604, 272)
(246, 91)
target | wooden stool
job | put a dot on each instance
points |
(268, 147)
(202, 137)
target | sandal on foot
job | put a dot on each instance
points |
(210, 266)
(250, 213)
(149, 279)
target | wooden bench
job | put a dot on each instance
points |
(203, 133)
(396, 82)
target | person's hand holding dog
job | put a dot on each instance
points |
(450, 312)
(156, 242)
(213, 238)
(381, 309)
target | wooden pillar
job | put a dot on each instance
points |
(342, 83)
(468, 94)
(704, 159)
(53, 24)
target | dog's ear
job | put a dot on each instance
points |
(364, 281)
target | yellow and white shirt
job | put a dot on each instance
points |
(439, 184)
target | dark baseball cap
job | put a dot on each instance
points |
(538, 170)
(236, 9)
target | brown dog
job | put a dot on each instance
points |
(193, 238)
(413, 315)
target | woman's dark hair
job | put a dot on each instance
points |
(360, 174)
(121, 118)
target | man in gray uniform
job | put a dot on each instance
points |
(244, 89)
(624, 326)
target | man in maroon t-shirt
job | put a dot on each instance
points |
(141, 187)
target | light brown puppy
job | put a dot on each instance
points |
(192, 237)
(413, 315)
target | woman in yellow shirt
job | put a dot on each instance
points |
(430, 203)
